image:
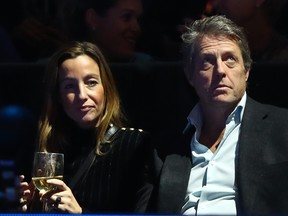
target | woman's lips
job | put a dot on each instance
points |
(86, 108)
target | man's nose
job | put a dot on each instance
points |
(220, 68)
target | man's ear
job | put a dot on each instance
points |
(247, 74)
(188, 73)
(91, 18)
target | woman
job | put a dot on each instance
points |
(81, 105)
(114, 25)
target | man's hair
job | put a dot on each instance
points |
(219, 26)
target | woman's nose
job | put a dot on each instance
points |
(82, 92)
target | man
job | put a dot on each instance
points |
(235, 160)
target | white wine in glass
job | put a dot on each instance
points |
(47, 165)
(40, 182)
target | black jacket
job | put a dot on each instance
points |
(261, 165)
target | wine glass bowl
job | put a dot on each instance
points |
(47, 165)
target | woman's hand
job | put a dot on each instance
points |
(25, 193)
(61, 199)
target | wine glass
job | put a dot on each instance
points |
(47, 165)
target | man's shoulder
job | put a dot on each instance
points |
(268, 110)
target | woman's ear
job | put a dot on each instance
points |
(91, 18)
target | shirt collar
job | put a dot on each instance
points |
(195, 116)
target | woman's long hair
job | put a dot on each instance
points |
(54, 121)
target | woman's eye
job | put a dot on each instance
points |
(92, 83)
(68, 86)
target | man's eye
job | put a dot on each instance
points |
(206, 64)
(208, 60)
(231, 59)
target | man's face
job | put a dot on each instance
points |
(219, 76)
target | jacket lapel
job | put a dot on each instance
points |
(249, 165)
(173, 183)
(175, 176)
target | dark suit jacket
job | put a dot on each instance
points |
(261, 165)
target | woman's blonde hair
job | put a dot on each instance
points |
(54, 122)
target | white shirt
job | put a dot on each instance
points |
(211, 189)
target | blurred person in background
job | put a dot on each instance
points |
(32, 28)
(259, 19)
(114, 25)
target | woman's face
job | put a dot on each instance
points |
(118, 31)
(81, 90)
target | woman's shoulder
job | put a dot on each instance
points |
(133, 129)
(133, 137)
(133, 132)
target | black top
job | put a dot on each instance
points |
(118, 182)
